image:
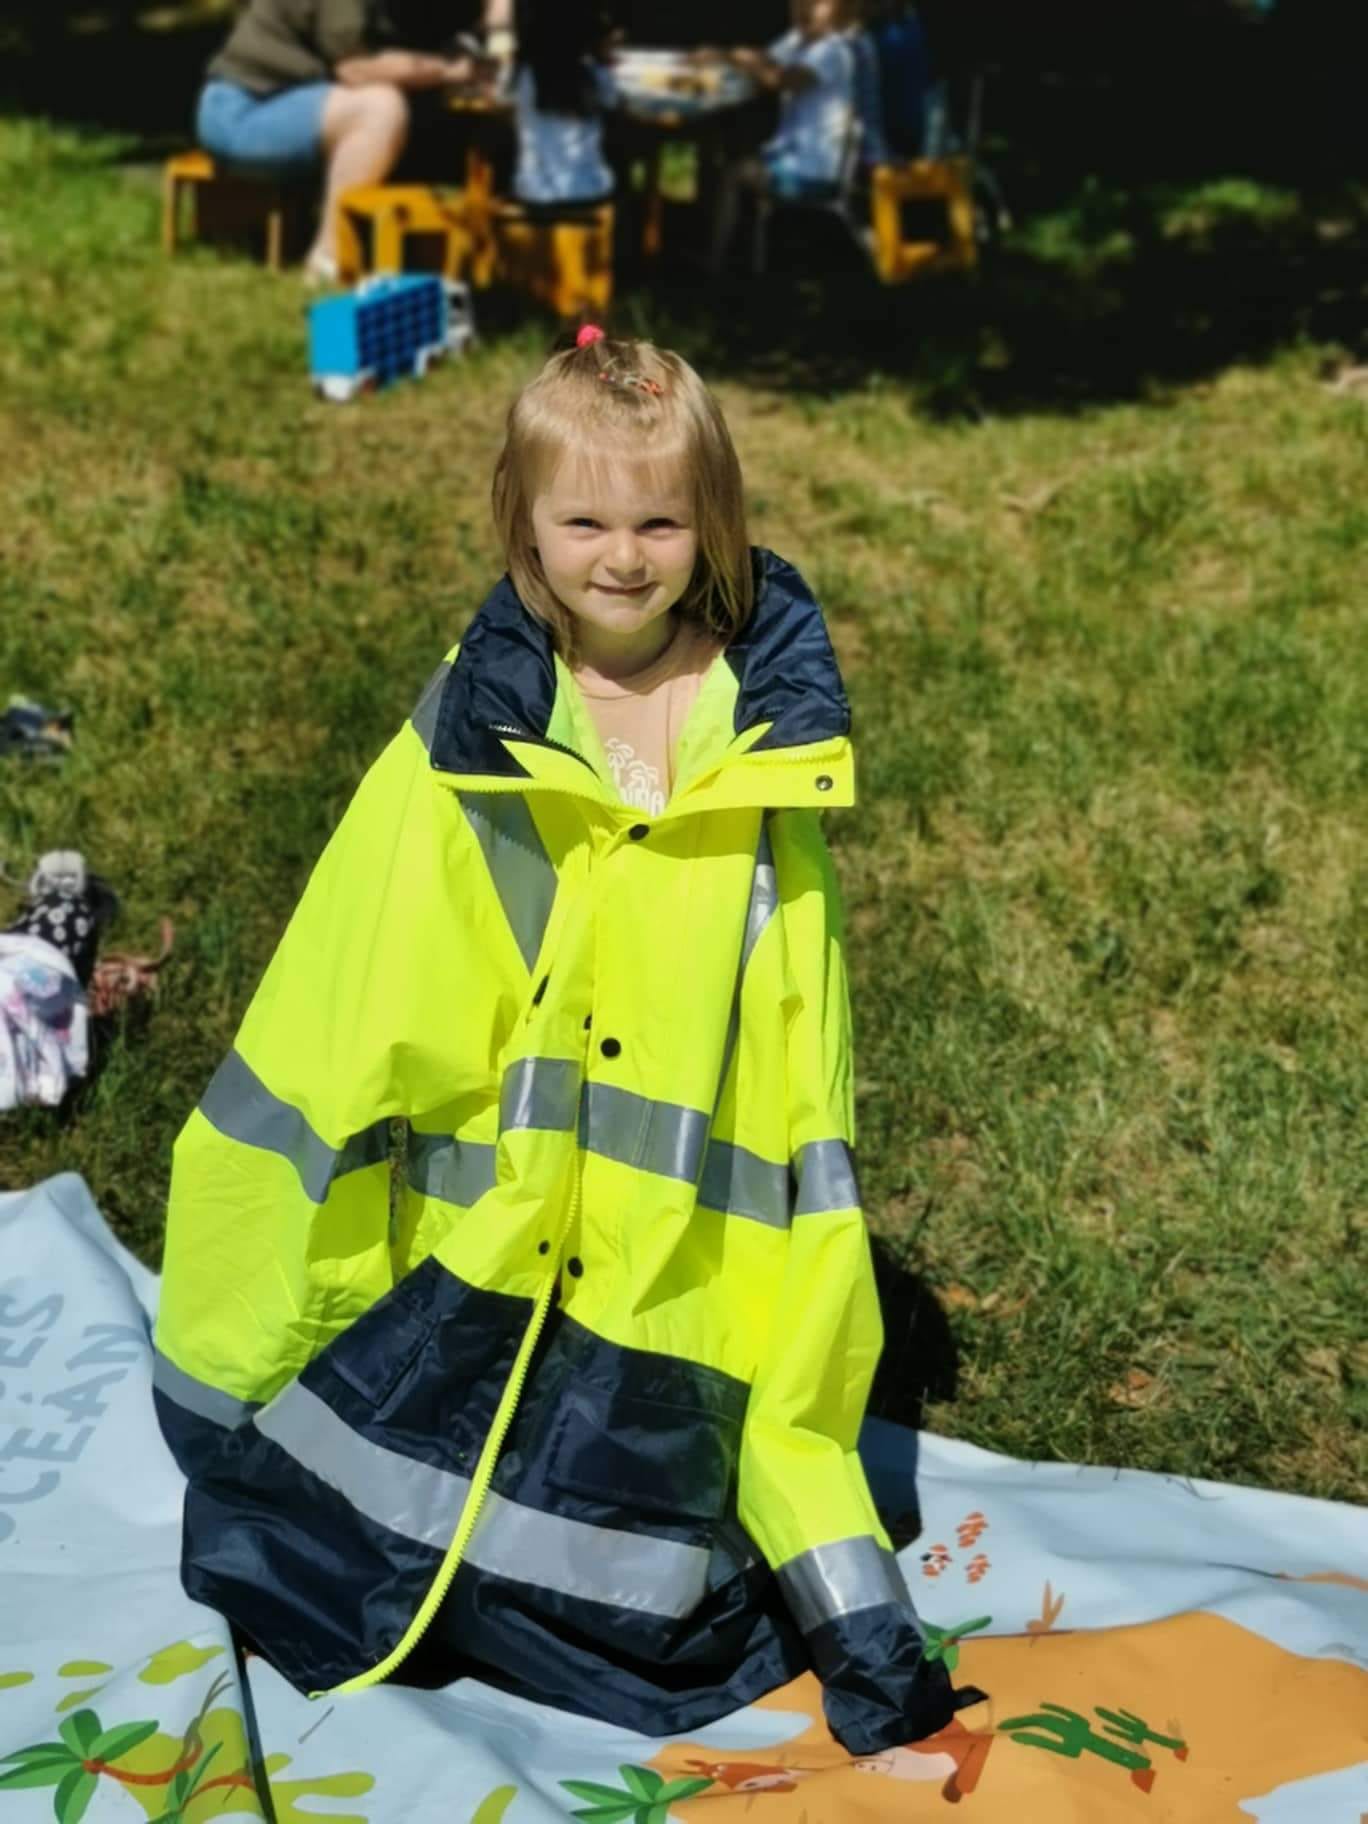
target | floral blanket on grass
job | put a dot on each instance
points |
(1153, 1648)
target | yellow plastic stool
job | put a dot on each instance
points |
(565, 264)
(944, 180)
(394, 212)
(200, 202)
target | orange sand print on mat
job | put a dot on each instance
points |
(1178, 1719)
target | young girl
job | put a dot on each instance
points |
(581, 1419)
(561, 85)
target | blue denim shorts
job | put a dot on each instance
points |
(277, 135)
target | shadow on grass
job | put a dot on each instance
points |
(1148, 291)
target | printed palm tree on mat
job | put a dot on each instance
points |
(943, 1643)
(87, 1751)
(644, 1797)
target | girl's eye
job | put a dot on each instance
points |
(660, 525)
(583, 522)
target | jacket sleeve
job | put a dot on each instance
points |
(803, 1494)
(278, 1223)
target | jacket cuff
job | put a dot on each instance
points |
(852, 1604)
(196, 1418)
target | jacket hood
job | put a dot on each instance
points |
(503, 682)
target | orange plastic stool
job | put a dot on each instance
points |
(944, 180)
(565, 264)
(200, 202)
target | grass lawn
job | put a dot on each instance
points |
(1106, 884)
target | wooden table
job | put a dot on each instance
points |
(719, 130)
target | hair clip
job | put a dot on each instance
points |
(641, 383)
(589, 333)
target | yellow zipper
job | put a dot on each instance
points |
(484, 1474)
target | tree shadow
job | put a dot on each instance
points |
(1152, 290)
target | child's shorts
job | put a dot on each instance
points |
(278, 135)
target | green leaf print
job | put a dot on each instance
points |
(681, 1789)
(73, 1795)
(79, 1731)
(122, 1739)
(608, 1814)
(46, 1770)
(599, 1795)
(642, 1782)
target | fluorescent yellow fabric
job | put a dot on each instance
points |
(400, 992)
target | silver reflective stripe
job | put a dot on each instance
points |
(424, 717)
(595, 1563)
(199, 1397)
(826, 1178)
(740, 1183)
(540, 1092)
(764, 895)
(518, 863)
(459, 1171)
(764, 898)
(658, 1137)
(241, 1107)
(840, 1578)
(421, 1502)
(411, 1498)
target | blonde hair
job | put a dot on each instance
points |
(609, 400)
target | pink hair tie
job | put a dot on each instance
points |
(590, 333)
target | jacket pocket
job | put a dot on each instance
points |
(651, 1455)
(377, 1351)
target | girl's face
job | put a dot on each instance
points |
(617, 543)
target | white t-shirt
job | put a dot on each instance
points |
(640, 719)
(815, 123)
(560, 156)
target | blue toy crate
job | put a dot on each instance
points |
(387, 328)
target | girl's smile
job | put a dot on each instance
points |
(618, 545)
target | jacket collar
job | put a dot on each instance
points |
(502, 686)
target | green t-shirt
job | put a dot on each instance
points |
(278, 44)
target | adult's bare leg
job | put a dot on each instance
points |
(364, 131)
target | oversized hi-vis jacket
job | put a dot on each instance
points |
(580, 1416)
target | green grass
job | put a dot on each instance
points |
(1105, 887)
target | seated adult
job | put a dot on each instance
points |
(304, 83)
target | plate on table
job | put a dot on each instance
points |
(670, 81)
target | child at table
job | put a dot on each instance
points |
(812, 68)
(561, 83)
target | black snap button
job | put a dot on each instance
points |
(638, 830)
(588, 1021)
(574, 1266)
(543, 1247)
(824, 782)
(610, 1048)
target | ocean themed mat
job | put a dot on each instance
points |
(1152, 1647)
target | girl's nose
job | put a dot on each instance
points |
(624, 556)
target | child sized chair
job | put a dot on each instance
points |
(376, 221)
(202, 202)
(945, 181)
(563, 260)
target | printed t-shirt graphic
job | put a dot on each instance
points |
(639, 719)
